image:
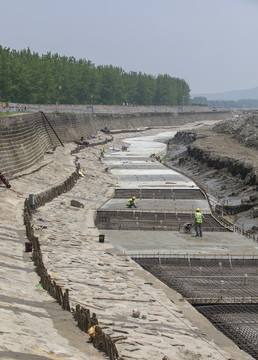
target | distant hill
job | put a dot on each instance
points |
(231, 95)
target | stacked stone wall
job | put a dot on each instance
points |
(23, 141)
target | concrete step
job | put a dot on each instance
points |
(159, 193)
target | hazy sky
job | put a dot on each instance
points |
(211, 44)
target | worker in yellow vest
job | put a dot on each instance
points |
(198, 222)
(102, 151)
(130, 203)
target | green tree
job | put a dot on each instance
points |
(26, 77)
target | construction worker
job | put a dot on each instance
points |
(131, 203)
(102, 152)
(198, 222)
(5, 181)
(159, 158)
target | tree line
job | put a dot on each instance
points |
(27, 77)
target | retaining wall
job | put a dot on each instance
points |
(132, 121)
(25, 138)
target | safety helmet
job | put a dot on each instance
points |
(197, 209)
(133, 197)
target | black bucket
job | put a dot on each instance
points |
(28, 246)
(101, 238)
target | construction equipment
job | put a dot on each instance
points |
(187, 228)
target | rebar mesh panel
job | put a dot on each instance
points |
(237, 321)
(206, 279)
(174, 194)
(223, 290)
(143, 220)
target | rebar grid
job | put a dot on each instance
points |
(239, 322)
(174, 194)
(143, 220)
(202, 279)
(224, 290)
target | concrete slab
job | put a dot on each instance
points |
(143, 146)
(144, 171)
(155, 177)
(155, 185)
(152, 177)
(175, 242)
(158, 205)
(135, 165)
(123, 164)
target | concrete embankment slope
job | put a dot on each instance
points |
(25, 138)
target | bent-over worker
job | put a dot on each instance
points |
(131, 203)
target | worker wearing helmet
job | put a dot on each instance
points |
(130, 203)
(102, 151)
(198, 222)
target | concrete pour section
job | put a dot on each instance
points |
(145, 174)
(135, 168)
(150, 242)
(158, 205)
(156, 176)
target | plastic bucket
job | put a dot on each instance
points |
(101, 238)
(28, 246)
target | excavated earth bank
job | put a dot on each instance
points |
(223, 159)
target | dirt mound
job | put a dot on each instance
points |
(244, 130)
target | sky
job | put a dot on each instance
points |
(211, 44)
